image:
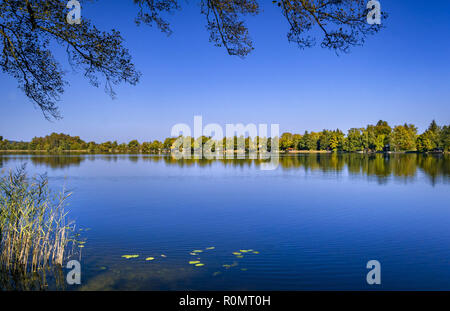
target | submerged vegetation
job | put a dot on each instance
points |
(373, 138)
(35, 233)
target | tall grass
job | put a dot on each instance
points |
(34, 230)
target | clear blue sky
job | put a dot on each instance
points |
(401, 74)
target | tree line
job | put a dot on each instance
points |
(373, 138)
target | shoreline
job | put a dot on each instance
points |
(235, 151)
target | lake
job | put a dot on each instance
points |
(311, 224)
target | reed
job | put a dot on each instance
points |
(34, 230)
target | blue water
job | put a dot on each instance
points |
(315, 221)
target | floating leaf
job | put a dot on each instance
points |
(194, 262)
(80, 246)
(236, 253)
(200, 265)
(226, 266)
(209, 248)
(255, 252)
(243, 250)
(130, 256)
(197, 251)
(163, 256)
(193, 254)
(240, 256)
(150, 258)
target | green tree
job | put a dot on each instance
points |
(296, 138)
(445, 138)
(156, 146)
(430, 139)
(324, 140)
(355, 140)
(378, 136)
(105, 147)
(92, 146)
(145, 147)
(404, 138)
(337, 140)
(134, 146)
(309, 141)
(168, 142)
(114, 146)
(286, 141)
(424, 143)
(433, 133)
(122, 148)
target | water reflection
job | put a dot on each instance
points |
(378, 166)
(309, 223)
(45, 279)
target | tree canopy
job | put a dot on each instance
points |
(29, 28)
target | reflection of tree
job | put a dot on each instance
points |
(434, 165)
(44, 160)
(57, 161)
(44, 279)
(404, 165)
(380, 166)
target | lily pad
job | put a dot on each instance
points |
(130, 256)
(150, 258)
(200, 265)
(194, 262)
